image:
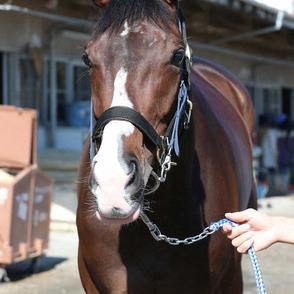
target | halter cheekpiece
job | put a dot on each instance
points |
(164, 145)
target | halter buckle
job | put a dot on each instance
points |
(165, 167)
(164, 158)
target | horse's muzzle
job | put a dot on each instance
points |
(118, 192)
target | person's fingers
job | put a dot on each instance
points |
(237, 231)
(245, 246)
(238, 241)
(258, 246)
(240, 216)
(227, 228)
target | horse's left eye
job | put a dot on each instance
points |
(178, 58)
(86, 60)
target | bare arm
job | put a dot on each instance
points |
(285, 228)
(259, 230)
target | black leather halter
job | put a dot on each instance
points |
(130, 115)
(168, 143)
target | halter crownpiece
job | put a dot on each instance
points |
(169, 143)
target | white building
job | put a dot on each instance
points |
(254, 42)
(40, 66)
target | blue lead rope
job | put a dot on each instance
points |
(252, 255)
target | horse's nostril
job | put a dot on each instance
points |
(132, 164)
(133, 167)
(132, 173)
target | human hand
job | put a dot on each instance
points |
(255, 229)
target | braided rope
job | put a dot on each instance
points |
(251, 252)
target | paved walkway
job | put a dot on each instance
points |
(62, 167)
(58, 270)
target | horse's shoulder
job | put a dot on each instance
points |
(229, 86)
(210, 69)
(223, 129)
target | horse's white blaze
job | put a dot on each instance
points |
(152, 43)
(110, 171)
(126, 30)
(120, 94)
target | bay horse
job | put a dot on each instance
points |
(144, 132)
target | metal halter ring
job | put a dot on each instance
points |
(164, 159)
(188, 114)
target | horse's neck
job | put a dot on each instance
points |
(179, 199)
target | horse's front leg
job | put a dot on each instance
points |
(232, 281)
(85, 277)
(225, 266)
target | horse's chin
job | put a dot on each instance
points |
(133, 216)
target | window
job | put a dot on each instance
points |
(28, 85)
(61, 92)
(72, 91)
(82, 86)
(271, 101)
(267, 100)
(250, 90)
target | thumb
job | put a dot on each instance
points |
(227, 228)
(238, 217)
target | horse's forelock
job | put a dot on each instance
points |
(119, 11)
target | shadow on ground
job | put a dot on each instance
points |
(22, 270)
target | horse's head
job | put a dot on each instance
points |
(135, 58)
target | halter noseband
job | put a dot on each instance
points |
(167, 144)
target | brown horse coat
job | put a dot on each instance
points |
(211, 178)
(224, 120)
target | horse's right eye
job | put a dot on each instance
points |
(86, 60)
(178, 58)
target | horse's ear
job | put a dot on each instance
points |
(101, 3)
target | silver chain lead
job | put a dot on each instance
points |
(158, 236)
(214, 227)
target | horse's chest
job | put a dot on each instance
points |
(166, 270)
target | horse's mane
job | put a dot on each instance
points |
(119, 11)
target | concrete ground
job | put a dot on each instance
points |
(58, 272)
(58, 269)
(277, 261)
